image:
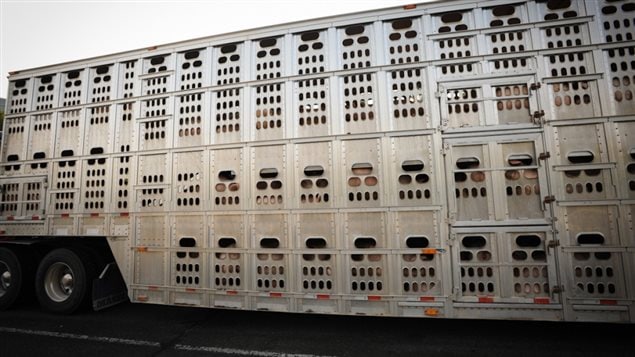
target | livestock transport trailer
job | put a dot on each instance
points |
(455, 159)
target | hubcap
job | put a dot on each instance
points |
(5, 278)
(58, 282)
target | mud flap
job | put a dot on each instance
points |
(109, 289)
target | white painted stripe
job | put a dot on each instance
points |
(73, 336)
(124, 341)
(238, 352)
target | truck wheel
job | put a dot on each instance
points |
(63, 281)
(11, 278)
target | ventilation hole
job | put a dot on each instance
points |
(191, 54)
(412, 165)
(268, 42)
(269, 243)
(520, 160)
(321, 183)
(539, 255)
(268, 173)
(417, 242)
(519, 255)
(276, 185)
(590, 238)
(466, 256)
(73, 75)
(316, 243)
(580, 157)
(630, 168)
(187, 242)
(628, 7)
(503, 10)
(227, 242)
(473, 241)
(227, 175)
(354, 30)
(401, 24)
(365, 242)
(100, 70)
(310, 36)
(558, 4)
(451, 17)
(153, 61)
(362, 168)
(96, 151)
(602, 255)
(228, 49)
(405, 179)
(460, 177)
(467, 163)
(313, 171)
(526, 240)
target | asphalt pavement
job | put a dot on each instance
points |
(152, 330)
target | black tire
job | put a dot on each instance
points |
(12, 278)
(64, 281)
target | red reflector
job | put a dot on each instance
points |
(426, 298)
(35, 218)
(10, 218)
(323, 296)
(374, 298)
(410, 7)
(153, 287)
(124, 214)
(94, 214)
(190, 290)
(608, 302)
(486, 300)
(232, 292)
(541, 300)
(65, 215)
(275, 295)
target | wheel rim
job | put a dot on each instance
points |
(5, 278)
(59, 282)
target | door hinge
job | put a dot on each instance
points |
(554, 243)
(549, 199)
(535, 86)
(544, 155)
(556, 290)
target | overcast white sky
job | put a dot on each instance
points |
(38, 33)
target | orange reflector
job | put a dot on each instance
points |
(275, 295)
(431, 312)
(142, 249)
(374, 298)
(232, 292)
(429, 251)
(410, 7)
(541, 300)
(323, 296)
(426, 298)
(486, 299)
(608, 302)
(152, 48)
(142, 298)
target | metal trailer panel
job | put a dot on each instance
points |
(453, 159)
